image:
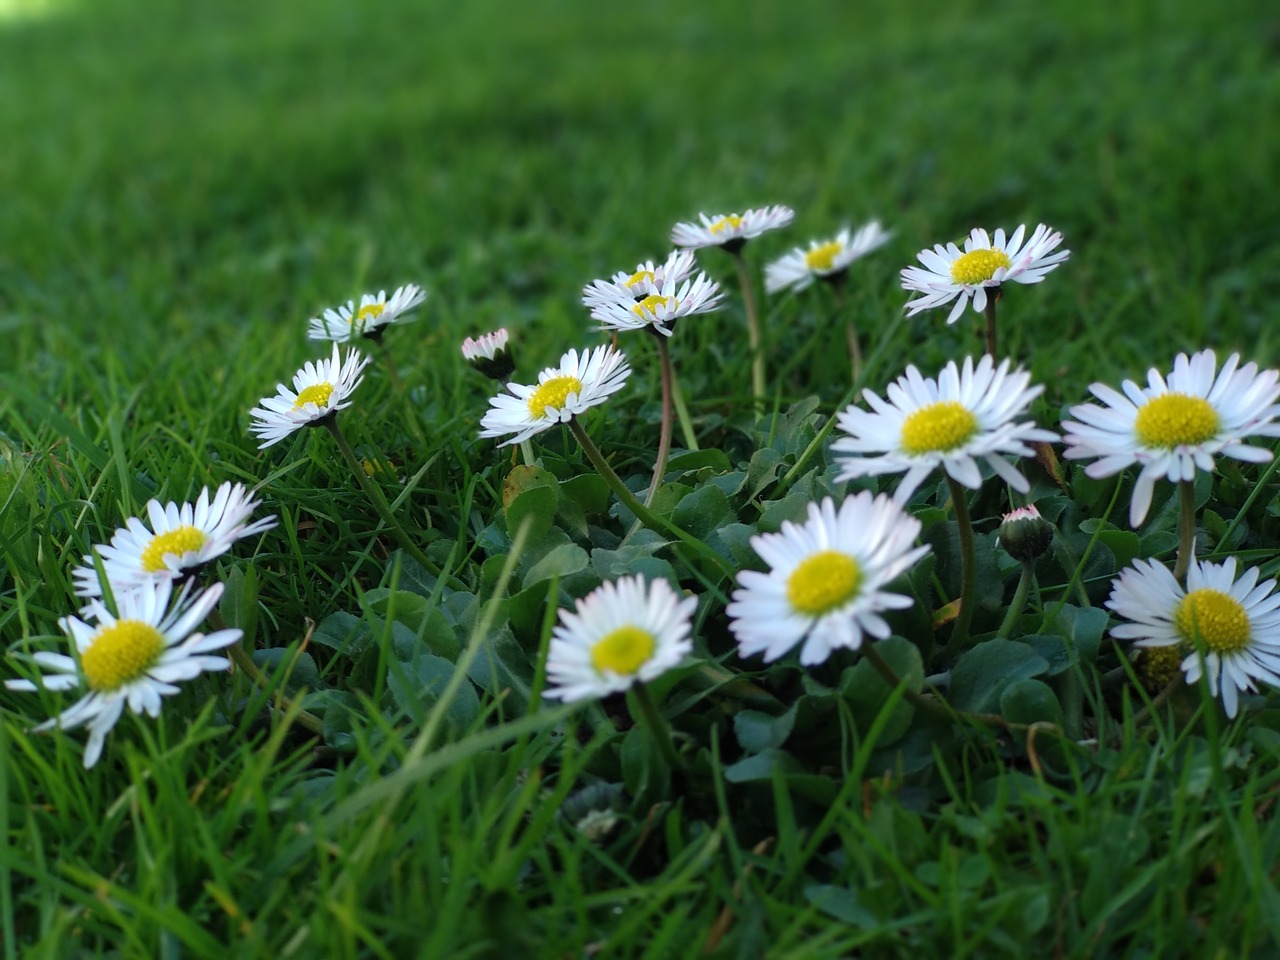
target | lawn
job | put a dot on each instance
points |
(185, 185)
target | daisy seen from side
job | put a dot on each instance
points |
(647, 278)
(320, 389)
(730, 230)
(825, 259)
(659, 309)
(371, 318)
(489, 354)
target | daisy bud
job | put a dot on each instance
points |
(489, 355)
(1024, 534)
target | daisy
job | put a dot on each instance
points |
(370, 319)
(135, 658)
(489, 354)
(622, 632)
(825, 579)
(947, 274)
(320, 389)
(661, 307)
(1232, 626)
(1174, 427)
(730, 230)
(647, 278)
(966, 415)
(581, 381)
(173, 542)
(825, 259)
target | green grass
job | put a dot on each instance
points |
(184, 185)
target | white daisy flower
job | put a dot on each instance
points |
(948, 274)
(135, 658)
(1232, 626)
(658, 310)
(825, 579)
(730, 230)
(966, 415)
(581, 381)
(622, 632)
(370, 319)
(647, 278)
(489, 354)
(826, 259)
(320, 389)
(173, 542)
(1174, 427)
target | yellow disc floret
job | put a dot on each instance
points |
(731, 222)
(1213, 618)
(822, 582)
(179, 540)
(317, 393)
(651, 303)
(553, 394)
(639, 277)
(370, 311)
(120, 654)
(624, 651)
(823, 257)
(938, 427)
(1173, 419)
(978, 266)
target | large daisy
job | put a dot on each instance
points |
(966, 415)
(134, 658)
(1172, 428)
(320, 389)
(1232, 625)
(825, 259)
(371, 318)
(647, 278)
(659, 309)
(580, 382)
(824, 587)
(730, 230)
(622, 632)
(173, 541)
(947, 273)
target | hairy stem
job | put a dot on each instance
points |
(753, 327)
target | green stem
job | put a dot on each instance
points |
(990, 313)
(244, 661)
(968, 568)
(1186, 529)
(850, 329)
(1019, 598)
(933, 705)
(658, 729)
(753, 327)
(682, 413)
(664, 432)
(526, 450)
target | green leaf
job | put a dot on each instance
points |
(416, 685)
(703, 512)
(530, 492)
(733, 540)
(632, 559)
(1124, 544)
(980, 676)
(420, 615)
(239, 605)
(866, 691)
(300, 668)
(697, 459)
(343, 632)
(758, 731)
(840, 903)
(501, 669)
(1083, 627)
(644, 771)
(562, 561)
(1030, 701)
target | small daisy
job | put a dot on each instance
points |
(659, 309)
(489, 354)
(647, 278)
(135, 658)
(966, 415)
(825, 579)
(949, 275)
(825, 259)
(370, 319)
(173, 542)
(622, 632)
(582, 381)
(320, 389)
(1232, 626)
(1174, 427)
(730, 230)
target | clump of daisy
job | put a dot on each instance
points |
(371, 319)
(1231, 625)
(134, 658)
(647, 278)
(488, 353)
(320, 389)
(1173, 427)
(825, 585)
(173, 542)
(829, 260)
(947, 273)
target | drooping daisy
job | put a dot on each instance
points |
(135, 658)
(489, 354)
(624, 631)
(370, 319)
(647, 278)
(964, 416)
(659, 309)
(1232, 626)
(730, 230)
(173, 542)
(948, 274)
(320, 389)
(581, 381)
(1174, 427)
(825, 259)
(825, 581)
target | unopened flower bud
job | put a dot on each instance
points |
(489, 355)
(1024, 534)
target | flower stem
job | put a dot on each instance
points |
(1186, 529)
(526, 449)
(664, 432)
(1019, 598)
(244, 662)
(658, 729)
(990, 313)
(753, 327)
(682, 413)
(850, 328)
(933, 705)
(968, 569)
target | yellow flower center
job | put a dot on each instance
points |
(178, 540)
(823, 582)
(553, 394)
(317, 393)
(1173, 419)
(651, 303)
(731, 222)
(1159, 665)
(822, 257)
(370, 311)
(640, 276)
(624, 651)
(978, 266)
(1213, 618)
(120, 654)
(938, 427)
